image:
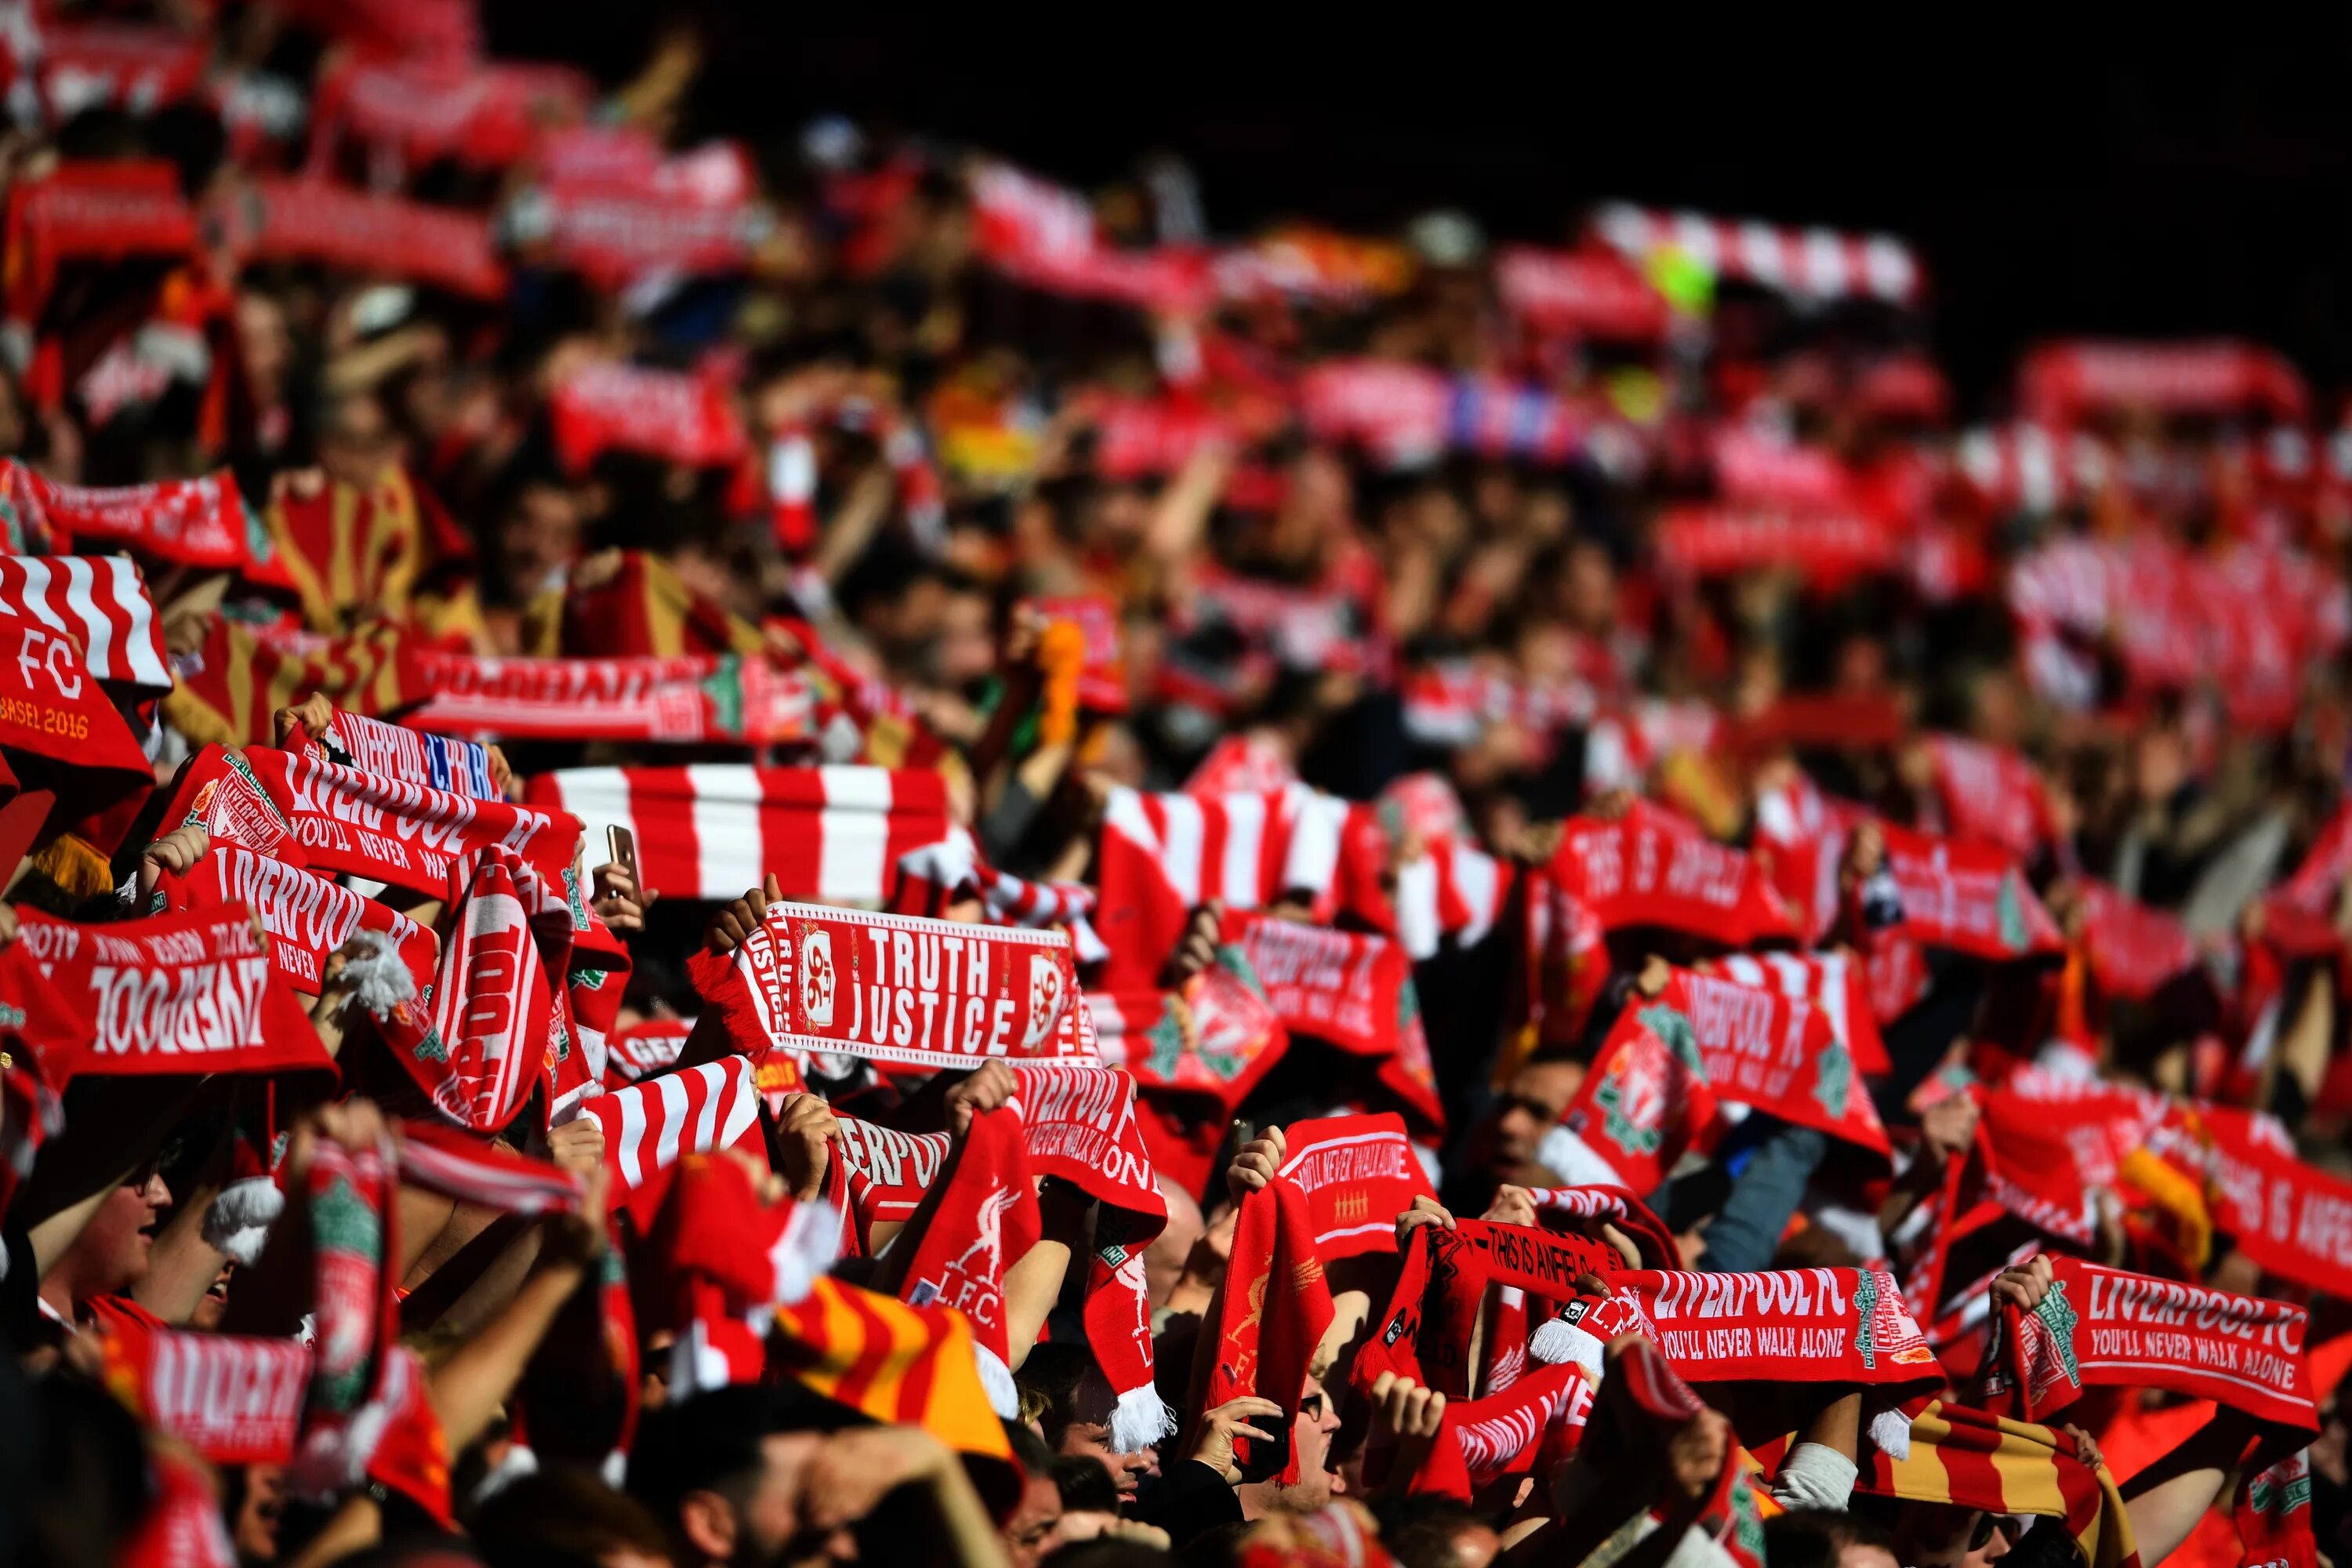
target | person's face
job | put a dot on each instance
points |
(1950, 1537)
(1088, 1433)
(1318, 1420)
(1987, 1544)
(541, 537)
(1538, 1093)
(123, 1232)
(359, 445)
(763, 1530)
(254, 1528)
(215, 1304)
(961, 649)
(1860, 1556)
(262, 339)
(1029, 1534)
(1592, 588)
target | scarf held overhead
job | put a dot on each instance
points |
(2104, 1326)
(926, 993)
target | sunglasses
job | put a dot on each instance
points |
(1981, 1536)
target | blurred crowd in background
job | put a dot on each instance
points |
(1595, 736)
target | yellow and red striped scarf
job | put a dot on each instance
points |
(388, 549)
(895, 1363)
(249, 675)
(1971, 1460)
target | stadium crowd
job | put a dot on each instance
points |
(861, 859)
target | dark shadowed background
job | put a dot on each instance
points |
(2124, 176)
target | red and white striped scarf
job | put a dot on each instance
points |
(710, 832)
(931, 877)
(1163, 856)
(650, 1123)
(494, 1023)
(462, 1165)
(1450, 704)
(99, 601)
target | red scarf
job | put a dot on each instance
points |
(1424, 1334)
(1565, 954)
(1829, 547)
(57, 728)
(1594, 1205)
(1214, 1037)
(2296, 1222)
(1833, 982)
(1777, 1053)
(1646, 1098)
(1356, 992)
(235, 1400)
(690, 699)
(1357, 1174)
(923, 993)
(883, 1174)
(307, 916)
(616, 210)
(1650, 868)
(641, 1049)
(316, 220)
(2046, 1142)
(1328, 986)
(2272, 1515)
(408, 756)
(394, 831)
(681, 418)
(493, 1024)
(1971, 897)
(108, 211)
(189, 992)
(1080, 1124)
(1791, 1325)
(724, 1261)
(1990, 795)
(182, 1527)
(2134, 950)
(2105, 1327)
(986, 1219)
(1270, 1317)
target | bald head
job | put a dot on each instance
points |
(1163, 1260)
